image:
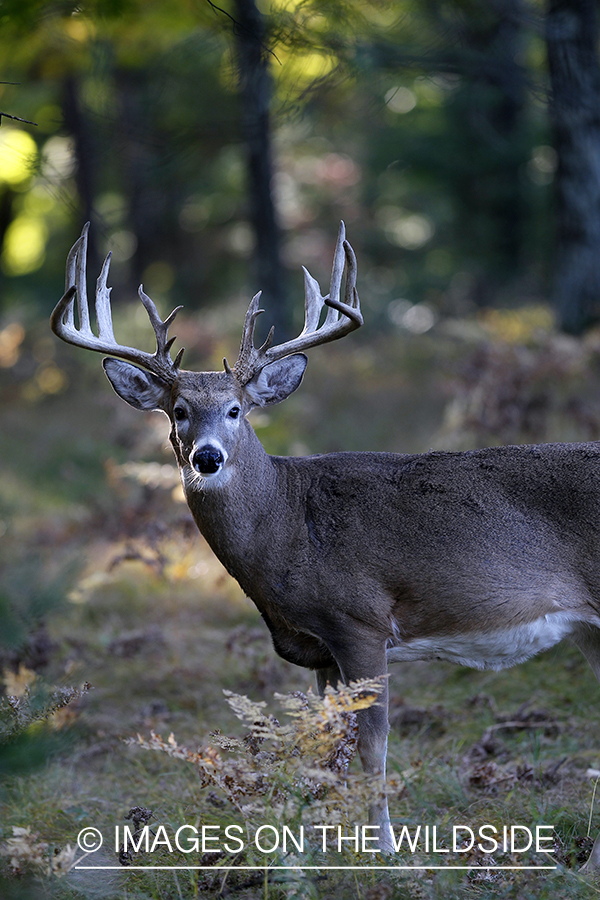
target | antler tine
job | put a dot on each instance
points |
(160, 328)
(337, 270)
(249, 358)
(80, 281)
(341, 319)
(103, 310)
(63, 324)
(351, 305)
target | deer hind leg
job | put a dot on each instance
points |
(330, 675)
(369, 662)
(587, 638)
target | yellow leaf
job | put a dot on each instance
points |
(17, 683)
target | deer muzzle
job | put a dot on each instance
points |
(207, 460)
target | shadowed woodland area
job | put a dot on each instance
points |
(214, 149)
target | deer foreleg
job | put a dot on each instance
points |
(587, 638)
(373, 728)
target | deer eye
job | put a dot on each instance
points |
(234, 412)
(179, 413)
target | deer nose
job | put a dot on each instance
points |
(207, 460)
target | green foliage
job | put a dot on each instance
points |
(26, 598)
(30, 732)
(421, 125)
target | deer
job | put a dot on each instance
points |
(356, 559)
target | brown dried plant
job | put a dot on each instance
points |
(295, 772)
(29, 700)
(27, 852)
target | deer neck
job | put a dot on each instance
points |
(239, 506)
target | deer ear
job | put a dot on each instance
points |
(277, 381)
(138, 388)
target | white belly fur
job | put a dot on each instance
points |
(494, 649)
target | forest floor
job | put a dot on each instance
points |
(99, 550)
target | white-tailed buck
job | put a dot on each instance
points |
(483, 558)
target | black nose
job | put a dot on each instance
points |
(207, 460)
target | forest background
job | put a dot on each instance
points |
(214, 148)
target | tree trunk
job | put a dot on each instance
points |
(77, 125)
(255, 93)
(572, 39)
(492, 120)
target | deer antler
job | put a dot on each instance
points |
(341, 318)
(62, 319)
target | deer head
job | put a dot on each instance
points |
(207, 409)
